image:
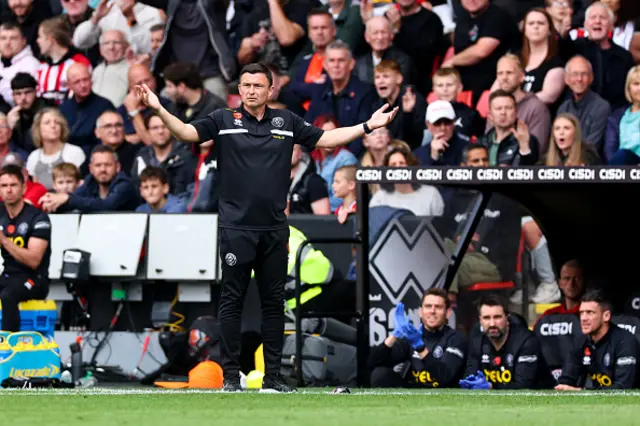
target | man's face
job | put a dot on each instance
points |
(321, 30)
(494, 321)
(139, 75)
(341, 185)
(509, 75)
(442, 129)
(559, 9)
(113, 46)
(110, 130)
(579, 76)
(160, 134)
(20, 7)
(378, 35)
(598, 24)
(478, 157)
(156, 40)
(11, 190)
(24, 98)
(75, 7)
(5, 132)
(433, 312)
(79, 81)
(11, 43)
(65, 184)
(503, 112)
(153, 191)
(377, 140)
(387, 83)
(571, 282)
(103, 167)
(447, 88)
(474, 6)
(338, 64)
(592, 318)
(254, 89)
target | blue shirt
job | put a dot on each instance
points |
(630, 131)
(173, 205)
(328, 167)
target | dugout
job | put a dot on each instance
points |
(585, 213)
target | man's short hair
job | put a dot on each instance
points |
(501, 94)
(492, 300)
(13, 170)
(447, 72)
(472, 147)
(321, 11)
(339, 45)
(612, 17)
(104, 149)
(437, 292)
(23, 80)
(387, 65)
(257, 68)
(349, 172)
(66, 170)
(514, 58)
(598, 297)
(153, 172)
(11, 26)
(184, 72)
(566, 67)
(157, 27)
(107, 112)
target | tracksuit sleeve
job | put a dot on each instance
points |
(626, 369)
(384, 356)
(526, 367)
(448, 366)
(572, 370)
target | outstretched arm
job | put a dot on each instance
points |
(183, 132)
(344, 135)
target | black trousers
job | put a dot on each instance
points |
(385, 377)
(241, 252)
(15, 289)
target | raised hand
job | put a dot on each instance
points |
(147, 97)
(400, 321)
(380, 118)
(409, 100)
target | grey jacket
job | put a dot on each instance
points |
(592, 111)
(214, 12)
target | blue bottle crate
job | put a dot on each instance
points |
(38, 315)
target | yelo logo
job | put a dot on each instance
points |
(424, 377)
(602, 379)
(19, 241)
(495, 376)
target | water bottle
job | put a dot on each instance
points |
(87, 381)
(76, 361)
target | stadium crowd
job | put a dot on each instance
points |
(477, 83)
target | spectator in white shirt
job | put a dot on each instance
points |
(16, 56)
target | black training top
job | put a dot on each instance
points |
(254, 163)
(30, 222)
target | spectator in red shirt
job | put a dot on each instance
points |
(571, 284)
(34, 191)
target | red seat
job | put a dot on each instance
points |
(483, 104)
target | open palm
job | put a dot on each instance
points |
(147, 97)
(380, 118)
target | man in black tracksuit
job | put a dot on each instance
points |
(253, 145)
(432, 358)
(505, 355)
(605, 356)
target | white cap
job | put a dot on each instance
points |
(438, 110)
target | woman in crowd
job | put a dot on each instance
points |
(422, 200)
(622, 141)
(544, 68)
(566, 147)
(50, 131)
(329, 160)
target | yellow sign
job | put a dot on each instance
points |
(48, 371)
(495, 376)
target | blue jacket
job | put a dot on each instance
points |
(612, 135)
(354, 105)
(122, 196)
(82, 119)
(173, 205)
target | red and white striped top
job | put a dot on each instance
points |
(52, 78)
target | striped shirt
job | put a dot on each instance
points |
(52, 78)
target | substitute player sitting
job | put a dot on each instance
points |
(505, 355)
(605, 356)
(431, 356)
(253, 146)
(25, 237)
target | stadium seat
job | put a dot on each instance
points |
(483, 104)
(465, 97)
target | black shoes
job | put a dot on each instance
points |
(276, 384)
(231, 386)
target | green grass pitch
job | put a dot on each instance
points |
(141, 407)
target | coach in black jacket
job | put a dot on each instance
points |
(433, 357)
(605, 356)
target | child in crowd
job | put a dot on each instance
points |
(66, 178)
(154, 189)
(344, 186)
